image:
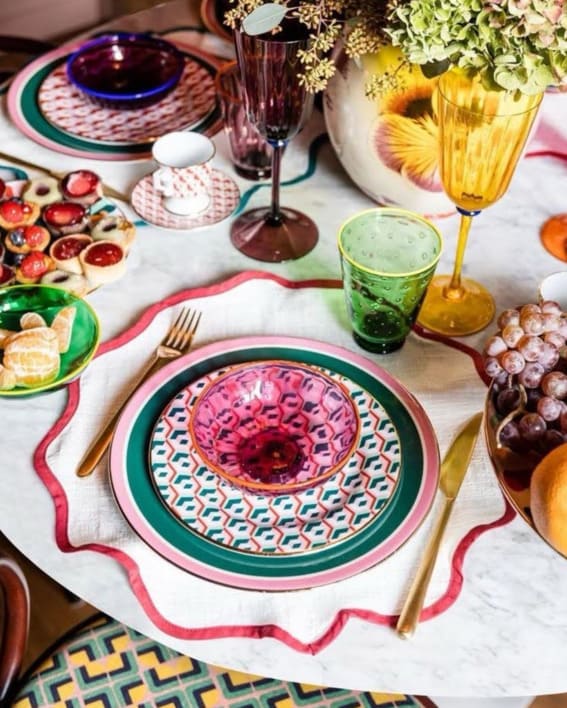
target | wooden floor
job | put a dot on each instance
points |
(55, 611)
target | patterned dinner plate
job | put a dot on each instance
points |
(417, 477)
(69, 110)
(147, 203)
(24, 110)
(300, 522)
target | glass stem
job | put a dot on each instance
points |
(275, 216)
(455, 291)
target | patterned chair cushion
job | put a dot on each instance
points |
(107, 665)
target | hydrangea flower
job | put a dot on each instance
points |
(517, 45)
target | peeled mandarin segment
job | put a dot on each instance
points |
(7, 379)
(33, 356)
(62, 325)
(5, 334)
(32, 319)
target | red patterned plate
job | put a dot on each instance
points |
(65, 107)
(147, 203)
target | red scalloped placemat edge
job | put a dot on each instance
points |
(249, 631)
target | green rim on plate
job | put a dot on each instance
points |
(32, 114)
(45, 300)
(141, 488)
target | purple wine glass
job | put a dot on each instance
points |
(251, 153)
(279, 106)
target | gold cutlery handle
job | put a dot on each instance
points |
(107, 189)
(104, 438)
(409, 616)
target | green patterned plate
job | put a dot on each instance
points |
(136, 496)
(282, 523)
(16, 300)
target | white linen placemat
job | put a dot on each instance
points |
(444, 380)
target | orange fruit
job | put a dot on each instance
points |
(7, 379)
(62, 325)
(548, 498)
(33, 356)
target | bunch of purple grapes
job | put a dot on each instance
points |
(527, 360)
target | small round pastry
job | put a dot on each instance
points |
(43, 191)
(7, 275)
(15, 212)
(72, 283)
(65, 252)
(115, 228)
(33, 266)
(25, 239)
(103, 262)
(63, 218)
(82, 186)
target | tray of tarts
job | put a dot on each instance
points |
(62, 232)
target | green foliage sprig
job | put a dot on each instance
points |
(517, 45)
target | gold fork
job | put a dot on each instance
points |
(175, 343)
(107, 189)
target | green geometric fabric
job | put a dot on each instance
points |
(108, 665)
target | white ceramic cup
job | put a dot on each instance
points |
(183, 177)
(554, 287)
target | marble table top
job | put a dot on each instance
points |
(506, 633)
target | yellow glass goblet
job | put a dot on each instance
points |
(482, 134)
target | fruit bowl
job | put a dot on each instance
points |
(125, 71)
(513, 469)
(274, 426)
(46, 302)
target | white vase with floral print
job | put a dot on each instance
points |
(388, 146)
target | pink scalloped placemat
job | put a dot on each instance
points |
(306, 621)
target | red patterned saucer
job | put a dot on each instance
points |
(147, 203)
(65, 107)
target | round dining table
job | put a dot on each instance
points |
(502, 630)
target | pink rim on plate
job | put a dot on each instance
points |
(402, 533)
(16, 114)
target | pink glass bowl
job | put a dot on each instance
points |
(274, 426)
(125, 70)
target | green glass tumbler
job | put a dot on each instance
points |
(388, 257)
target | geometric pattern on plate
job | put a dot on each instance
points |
(331, 512)
(68, 109)
(148, 204)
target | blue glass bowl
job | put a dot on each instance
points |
(124, 70)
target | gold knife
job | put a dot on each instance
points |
(108, 191)
(453, 470)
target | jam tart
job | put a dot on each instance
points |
(82, 186)
(73, 283)
(62, 218)
(43, 191)
(65, 252)
(111, 227)
(26, 239)
(33, 267)
(16, 212)
(103, 262)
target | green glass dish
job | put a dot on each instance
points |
(46, 301)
